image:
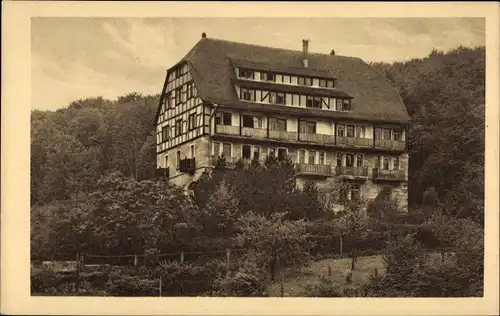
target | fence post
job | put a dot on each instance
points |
(182, 257)
(82, 261)
(329, 271)
(341, 244)
(282, 285)
(228, 258)
(160, 291)
(135, 260)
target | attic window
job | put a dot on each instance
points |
(246, 73)
(325, 83)
(346, 105)
(305, 81)
(247, 94)
(267, 76)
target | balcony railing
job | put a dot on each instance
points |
(283, 135)
(357, 172)
(390, 144)
(187, 165)
(229, 162)
(384, 174)
(254, 132)
(304, 168)
(227, 129)
(162, 173)
(317, 138)
(354, 141)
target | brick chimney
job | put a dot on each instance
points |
(305, 49)
(203, 35)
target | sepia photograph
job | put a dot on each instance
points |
(205, 157)
(184, 156)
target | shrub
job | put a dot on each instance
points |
(247, 281)
(325, 287)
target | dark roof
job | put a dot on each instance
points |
(374, 98)
(289, 88)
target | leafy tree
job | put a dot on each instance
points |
(221, 210)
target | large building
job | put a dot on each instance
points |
(333, 115)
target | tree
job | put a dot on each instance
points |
(355, 224)
(221, 211)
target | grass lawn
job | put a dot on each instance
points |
(294, 283)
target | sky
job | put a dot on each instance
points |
(75, 58)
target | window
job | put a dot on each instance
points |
(267, 76)
(191, 151)
(222, 118)
(166, 161)
(330, 84)
(309, 101)
(226, 150)
(178, 159)
(308, 81)
(277, 124)
(359, 160)
(387, 134)
(350, 130)
(349, 160)
(190, 92)
(272, 152)
(165, 133)
(256, 152)
(178, 72)
(397, 134)
(311, 159)
(178, 128)
(321, 158)
(247, 94)
(287, 79)
(339, 105)
(245, 73)
(246, 151)
(307, 127)
(317, 102)
(396, 163)
(178, 94)
(360, 132)
(281, 154)
(302, 156)
(355, 191)
(346, 105)
(192, 121)
(322, 83)
(339, 160)
(385, 163)
(377, 133)
(341, 130)
(280, 98)
(216, 149)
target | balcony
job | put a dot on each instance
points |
(309, 169)
(283, 135)
(390, 144)
(187, 165)
(229, 162)
(391, 175)
(254, 132)
(162, 173)
(352, 172)
(354, 141)
(227, 129)
(322, 139)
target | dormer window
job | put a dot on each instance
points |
(346, 105)
(247, 94)
(305, 81)
(326, 83)
(178, 94)
(276, 98)
(246, 73)
(313, 102)
(267, 76)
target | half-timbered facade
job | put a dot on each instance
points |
(332, 115)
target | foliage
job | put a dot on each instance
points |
(325, 287)
(221, 210)
(248, 281)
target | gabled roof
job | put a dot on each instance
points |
(374, 98)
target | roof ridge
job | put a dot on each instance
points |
(273, 48)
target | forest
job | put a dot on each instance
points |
(93, 191)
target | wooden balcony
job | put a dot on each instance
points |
(391, 175)
(254, 132)
(354, 141)
(390, 144)
(309, 169)
(229, 162)
(188, 165)
(283, 135)
(227, 129)
(352, 172)
(162, 173)
(322, 139)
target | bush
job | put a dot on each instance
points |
(247, 281)
(324, 288)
